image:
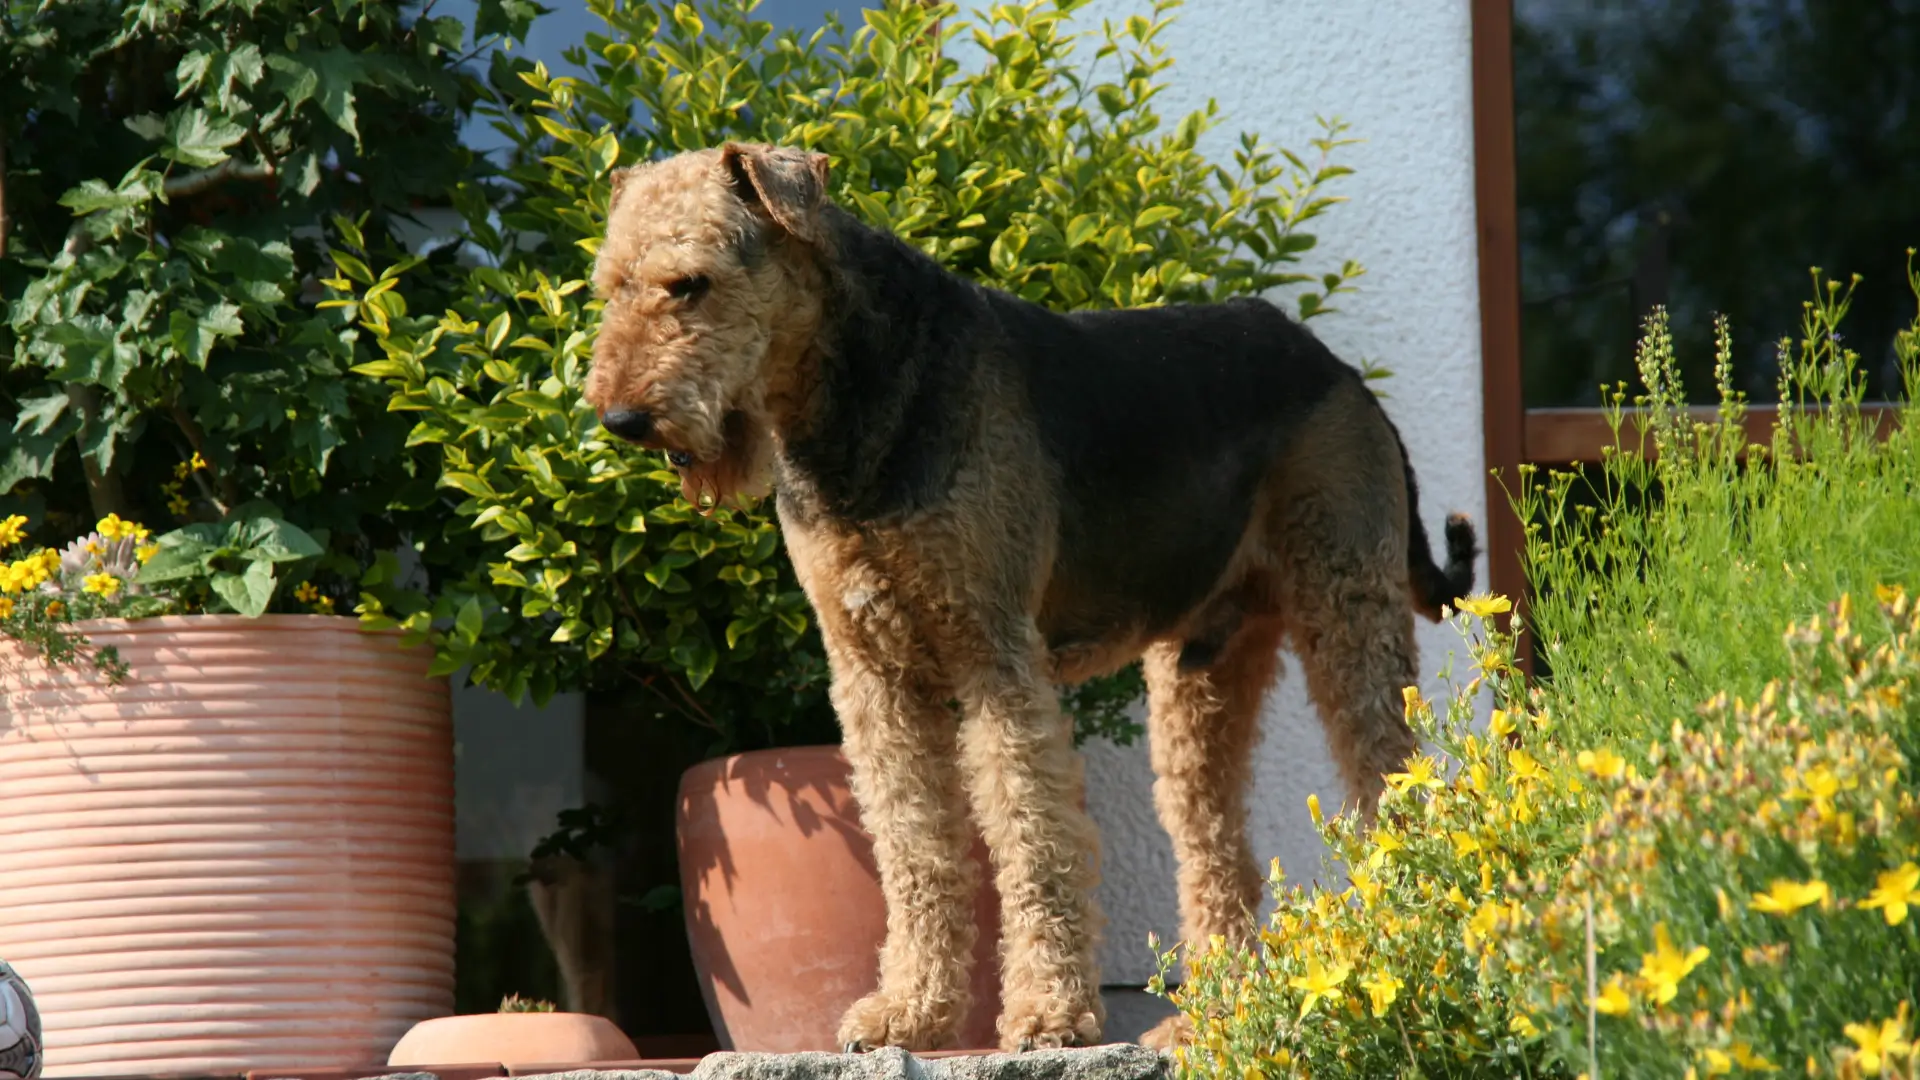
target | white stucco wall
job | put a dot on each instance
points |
(1399, 72)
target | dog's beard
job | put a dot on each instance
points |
(740, 474)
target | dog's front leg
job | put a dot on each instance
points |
(1028, 788)
(902, 745)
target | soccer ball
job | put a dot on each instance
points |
(19, 1028)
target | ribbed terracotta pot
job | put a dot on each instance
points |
(783, 904)
(240, 858)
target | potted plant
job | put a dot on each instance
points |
(520, 1034)
(228, 823)
(599, 573)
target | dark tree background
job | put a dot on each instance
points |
(1704, 154)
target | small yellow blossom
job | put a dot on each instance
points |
(144, 552)
(1411, 701)
(306, 593)
(1744, 1056)
(1464, 844)
(1897, 890)
(1613, 999)
(1522, 1025)
(1484, 606)
(1524, 765)
(1663, 968)
(101, 584)
(1382, 988)
(6, 607)
(1313, 809)
(1877, 1043)
(13, 529)
(1385, 843)
(1603, 763)
(1500, 724)
(114, 528)
(1786, 897)
(1718, 1062)
(1422, 771)
(1320, 982)
(178, 506)
(55, 609)
(196, 463)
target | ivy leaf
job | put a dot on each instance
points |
(194, 138)
(337, 71)
(277, 541)
(293, 78)
(248, 593)
(42, 411)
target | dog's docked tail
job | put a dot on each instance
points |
(1432, 586)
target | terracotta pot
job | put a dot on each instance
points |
(528, 1038)
(241, 858)
(783, 903)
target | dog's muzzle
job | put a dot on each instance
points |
(628, 424)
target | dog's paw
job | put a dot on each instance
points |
(1048, 1023)
(883, 1019)
(1174, 1031)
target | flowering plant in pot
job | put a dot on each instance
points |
(1018, 171)
(181, 698)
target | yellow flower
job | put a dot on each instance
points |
(1664, 967)
(102, 584)
(1524, 766)
(1719, 1062)
(1382, 987)
(1484, 606)
(1313, 809)
(1385, 843)
(178, 506)
(145, 552)
(1877, 1043)
(113, 528)
(6, 607)
(306, 593)
(1613, 999)
(1897, 889)
(1786, 897)
(1421, 772)
(1321, 983)
(196, 463)
(13, 529)
(1744, 1057)
(1411, 701)
(1463, 844)
(1603, 763)
(55, 609)
(1500, 724)
(1483, 925)
(1522, 1025)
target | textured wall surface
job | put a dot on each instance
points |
(1398, 71)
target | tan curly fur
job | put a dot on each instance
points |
(981, 498)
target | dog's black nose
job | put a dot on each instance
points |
(628, 424)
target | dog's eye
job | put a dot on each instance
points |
(689, 288)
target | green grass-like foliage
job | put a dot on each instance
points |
(1694, 848)
(1029, 170)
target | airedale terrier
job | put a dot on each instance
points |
(983, 498)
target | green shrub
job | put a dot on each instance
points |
(1023, 172)
(169, 169)
(1690, 850)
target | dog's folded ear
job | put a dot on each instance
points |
(785, 183)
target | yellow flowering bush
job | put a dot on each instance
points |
(1692, 847)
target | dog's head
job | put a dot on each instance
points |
(712, 296)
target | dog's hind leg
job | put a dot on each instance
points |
(1028, 787)
(1202, 724)
(902, 741)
